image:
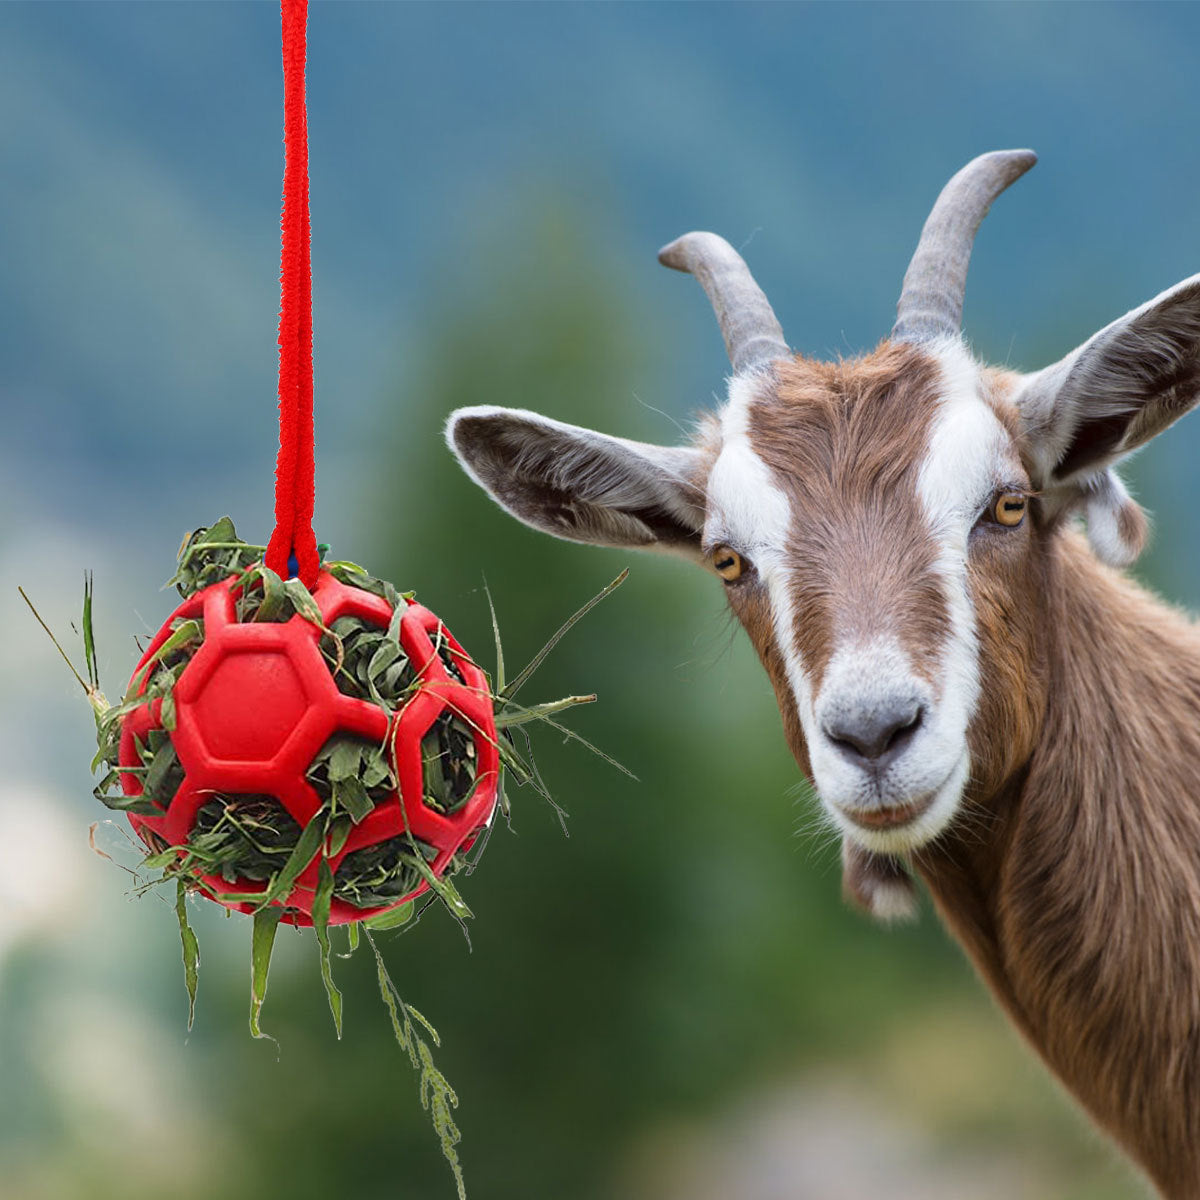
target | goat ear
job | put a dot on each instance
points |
(1118, 390)
(1113, 394)
(580, 485)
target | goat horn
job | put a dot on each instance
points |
(751, 332)
(931, 302)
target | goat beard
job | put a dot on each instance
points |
(878, 884)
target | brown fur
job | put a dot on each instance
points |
(1072, 874)
(1080, 905)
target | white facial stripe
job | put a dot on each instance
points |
(783, 612)
(968, 449)
(745, 506)
(750, 511)
(961, 469)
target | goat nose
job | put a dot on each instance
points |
(878, 733)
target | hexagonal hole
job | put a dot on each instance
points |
(353, 771)
(378, 875)
(248, 603)
(449, 762)
(374, 666)
(161, 774)
(242, 837)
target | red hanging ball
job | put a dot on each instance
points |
(257, 702)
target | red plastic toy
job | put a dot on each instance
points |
(257, 703)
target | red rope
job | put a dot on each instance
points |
(294, 468)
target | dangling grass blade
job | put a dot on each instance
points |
(70, 665)
(540, 784)
(496, 635)
(392, 919)
(524, 771)
(445, 889)
(477, 850)
(440, 1099)
(89, 641)
(576, 737)
(536, 661)
(539, 712)
(421, 1019)
(92, 842)
(191, 949)
(437, 1096)
(320, 919)
(401, 1025)
(262, 941)
(513, 762)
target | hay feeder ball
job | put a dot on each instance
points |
(359, 731)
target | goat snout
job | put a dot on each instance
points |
(873, 736)
(888, 758)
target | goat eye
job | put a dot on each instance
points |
(1009, 509)
(728, 563)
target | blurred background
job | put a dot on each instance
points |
(672, 1002)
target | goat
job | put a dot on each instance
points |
(975, 691)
